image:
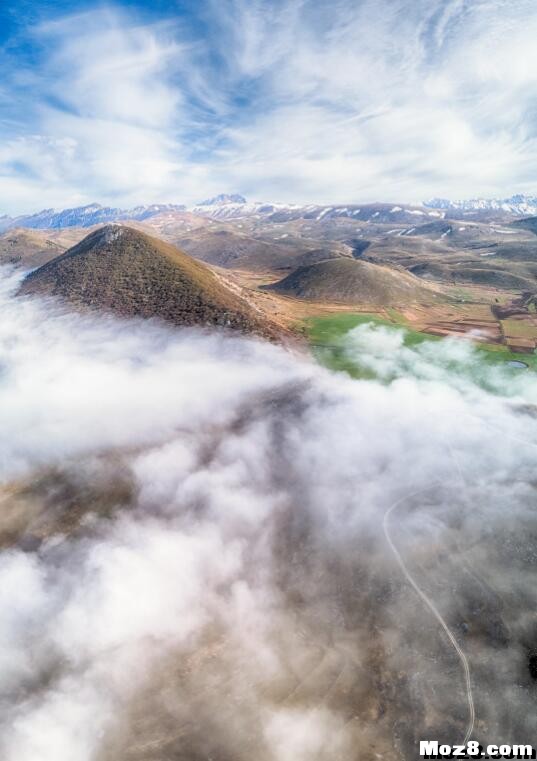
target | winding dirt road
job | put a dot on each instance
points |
(433, 609)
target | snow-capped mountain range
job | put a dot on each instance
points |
(223, 199)
(519, 205)
(238, 209)
(84, 216)
(234, 206)
(279, 212)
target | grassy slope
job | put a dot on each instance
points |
(130, 273)
(351, 281)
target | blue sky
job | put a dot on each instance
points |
(287, 100)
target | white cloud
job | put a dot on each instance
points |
(398, 101)
(192, 553)
(107, 114)
(287, 101)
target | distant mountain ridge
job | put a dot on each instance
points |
(222, 207)
(382, 213)
(232, 206)
(222, 199)
(85, 216)
(518, 204)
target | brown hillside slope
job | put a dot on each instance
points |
(119, 269)
(232, 250)
(352, 281)
(28, 248)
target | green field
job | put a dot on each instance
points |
(327, 338)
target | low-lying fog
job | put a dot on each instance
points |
(198, 561)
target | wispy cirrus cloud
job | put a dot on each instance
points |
(283, 99)
(103, 114)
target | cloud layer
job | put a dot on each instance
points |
(284, 100)
(193, 561)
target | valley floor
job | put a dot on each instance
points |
(466, 312)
